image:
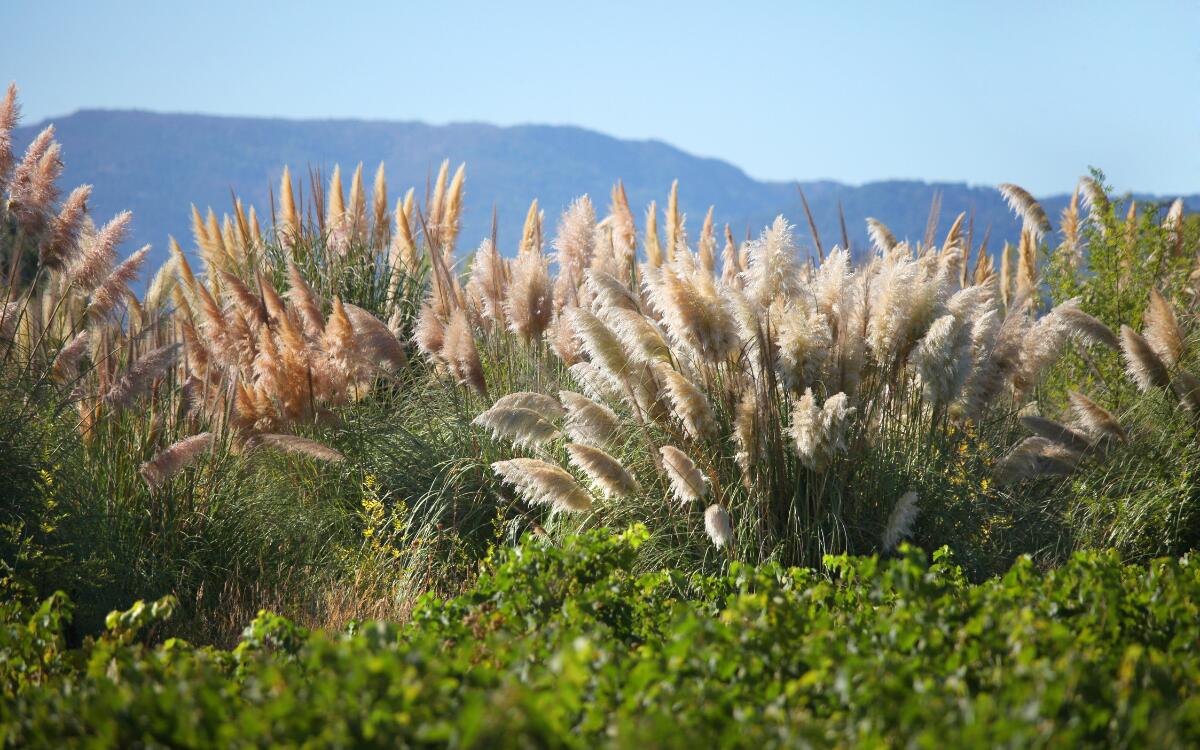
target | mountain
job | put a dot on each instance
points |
(157, 165)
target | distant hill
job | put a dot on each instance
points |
(157, 165)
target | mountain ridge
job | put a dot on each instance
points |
(159, 164)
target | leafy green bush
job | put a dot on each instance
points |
(567, 647)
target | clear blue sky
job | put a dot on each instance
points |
(1031, 92)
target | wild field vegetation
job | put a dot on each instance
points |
(329, 412)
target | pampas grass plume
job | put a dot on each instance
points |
(542, 483)
(607, 472)
(687, 483)
(900, 520)
(175, 458)
(718, 525)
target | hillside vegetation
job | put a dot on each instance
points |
(630, 476)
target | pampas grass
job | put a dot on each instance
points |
(524, 427)
(175, 458)
(900, 521)
(687, 483)
(718, 525)
(1142, 363)
(298, 445)
(587, 421)
(542, 483)
(605, 471)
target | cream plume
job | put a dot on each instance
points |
(1094, 419)
(375, 342)
(461, 355)
(1141, 362)
(587, 421)
(524, 427)
(687, 483)
(530, 303)
(545, 406)
(306, 302)
(1162, 330)
(429, 332)
(175, 458)
(542, 483)
(820, 432)
(689, 403)
(605, 471)
(1056, 433)
(10, 113)
(1026, 206)
(574, 246)
(1033, 457)
(600, 343)
(900, 521)
(718, 525)
(488, 284)
(881, 237)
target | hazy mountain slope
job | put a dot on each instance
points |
(158, 164)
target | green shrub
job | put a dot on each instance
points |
(568, 647)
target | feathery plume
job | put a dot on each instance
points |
(1056, 432)
(900, 520)
(1095, 420)
(600, 343)
(1094, 199)
(1142, 363)
(1187, 390)
(773, 267)
(1090, 328)
(881, 237)
(820, 432)
(66, 362)
(530, 302)
(587, 421)
(1024, 205)
(694, 312)
(138, 378)
(429, 332)
(943, 359)
(175, 458)
(461, 355)
(690, 405)
(605, 471)
(113, 288)
(718, 525)
(488, 285)
(374, 341)
(1033, 457)
(574, 246)
(60, 247)
(654, 253)
(9, 114)
(289, 217)
(98, 256)
(295, 444)
(687, 483)
(542, 483)
(545, 406)
(1162, 330)
(524, 427)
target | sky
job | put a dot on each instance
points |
(1027, 92)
